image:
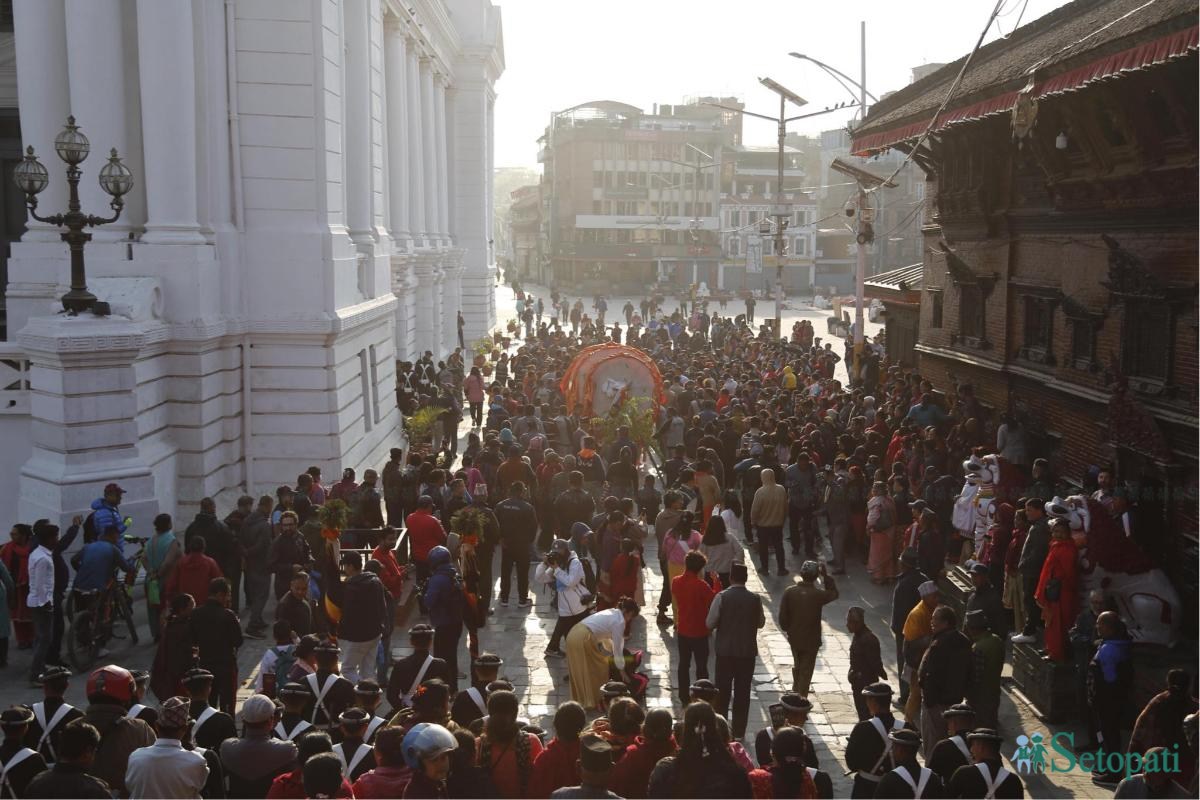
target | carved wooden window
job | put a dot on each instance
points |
(970, 311)
(1083, 343)
(935, 301)
(1147, 341)
(1039, 323)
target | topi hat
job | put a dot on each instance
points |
(258, 708)
(595, 753)
(958, 710)
(174, 713)
(614, 689)
(909, 557)
(880, 689)
(927, 588)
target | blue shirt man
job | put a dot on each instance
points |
(98, 563)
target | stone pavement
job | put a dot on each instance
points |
(520, 635)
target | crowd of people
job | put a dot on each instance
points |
(757, 437)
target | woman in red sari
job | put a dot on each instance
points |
(15, 555)
(1058, 589)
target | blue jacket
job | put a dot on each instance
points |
(98, 563)
(107, 516)
(444, 592)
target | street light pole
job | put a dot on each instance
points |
(31, 178)
(780, 215)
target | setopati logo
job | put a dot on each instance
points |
(1036, 754)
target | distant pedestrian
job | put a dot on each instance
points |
(866, 662)
(737, 616)
(800, 620)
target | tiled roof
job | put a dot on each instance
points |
(904, 279)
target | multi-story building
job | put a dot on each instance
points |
(1060, 247)
(632, 198)
(525, 234)
(748, 200)
(311, 203)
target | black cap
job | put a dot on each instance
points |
(327, 647)
(613, 689)
(979, 568)
(595, 753)
(499, 685)
(294, 689)
(15, 716)
(353, 717)
(791, 701)
(977, 618)
(880, 689)
(57, 672)
(488, 660)
(368, 688)
(909, 557)
(986, 734)
(422, 630)
(906, 736)
(196, 675)
(918, 505)
(703, 686)
(959, 710)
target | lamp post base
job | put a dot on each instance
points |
(77, 301)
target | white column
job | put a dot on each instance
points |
(96, 65)
(356, 119)
(396, 86)
(414, 148)
(167, 71)
(443, 168)
(43, 97)
(429, 151)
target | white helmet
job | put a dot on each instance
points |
(426, 740)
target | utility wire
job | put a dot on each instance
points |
(946, 100)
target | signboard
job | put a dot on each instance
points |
(754, 254)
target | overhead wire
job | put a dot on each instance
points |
(946, 100)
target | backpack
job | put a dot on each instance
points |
(589, 576)
(284, 661)
(89, 529)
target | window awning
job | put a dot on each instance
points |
(1148, 54)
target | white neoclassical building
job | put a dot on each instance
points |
(312, 203)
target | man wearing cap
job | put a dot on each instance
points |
(292, 724)
(331, 694)
(795, 715)
(987, 662)
(985, 597)
(18, 763)
(869, 748)
(356, 755)
(51, 715)
(165, 768)
(106, 513)
(595, 768)
(409, 672)
(737, 616)
(987, 777)
(953, 752)
(943, 675)
(918, 631)
(139, 710)
(800, 619)
(367, 696)
(471, 703)
(866, 662)
(908, 779)
(252, 762)
(210, 727)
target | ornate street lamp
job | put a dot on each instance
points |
(115, 179)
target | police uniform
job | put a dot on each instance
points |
(357, 756)
(952, 752)
(210, 727)
(411, 671)
(988, 778)
(18, 763)
(794, 703)
(471, 704)
(367, 693)
(869, 748)
(908, 780)
(331, 694)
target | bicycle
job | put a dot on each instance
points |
(92, 615)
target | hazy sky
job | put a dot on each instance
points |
(560, 53)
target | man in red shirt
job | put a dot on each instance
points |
(425, 532)
(391, 775)
(692, 596)
(194, 572)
